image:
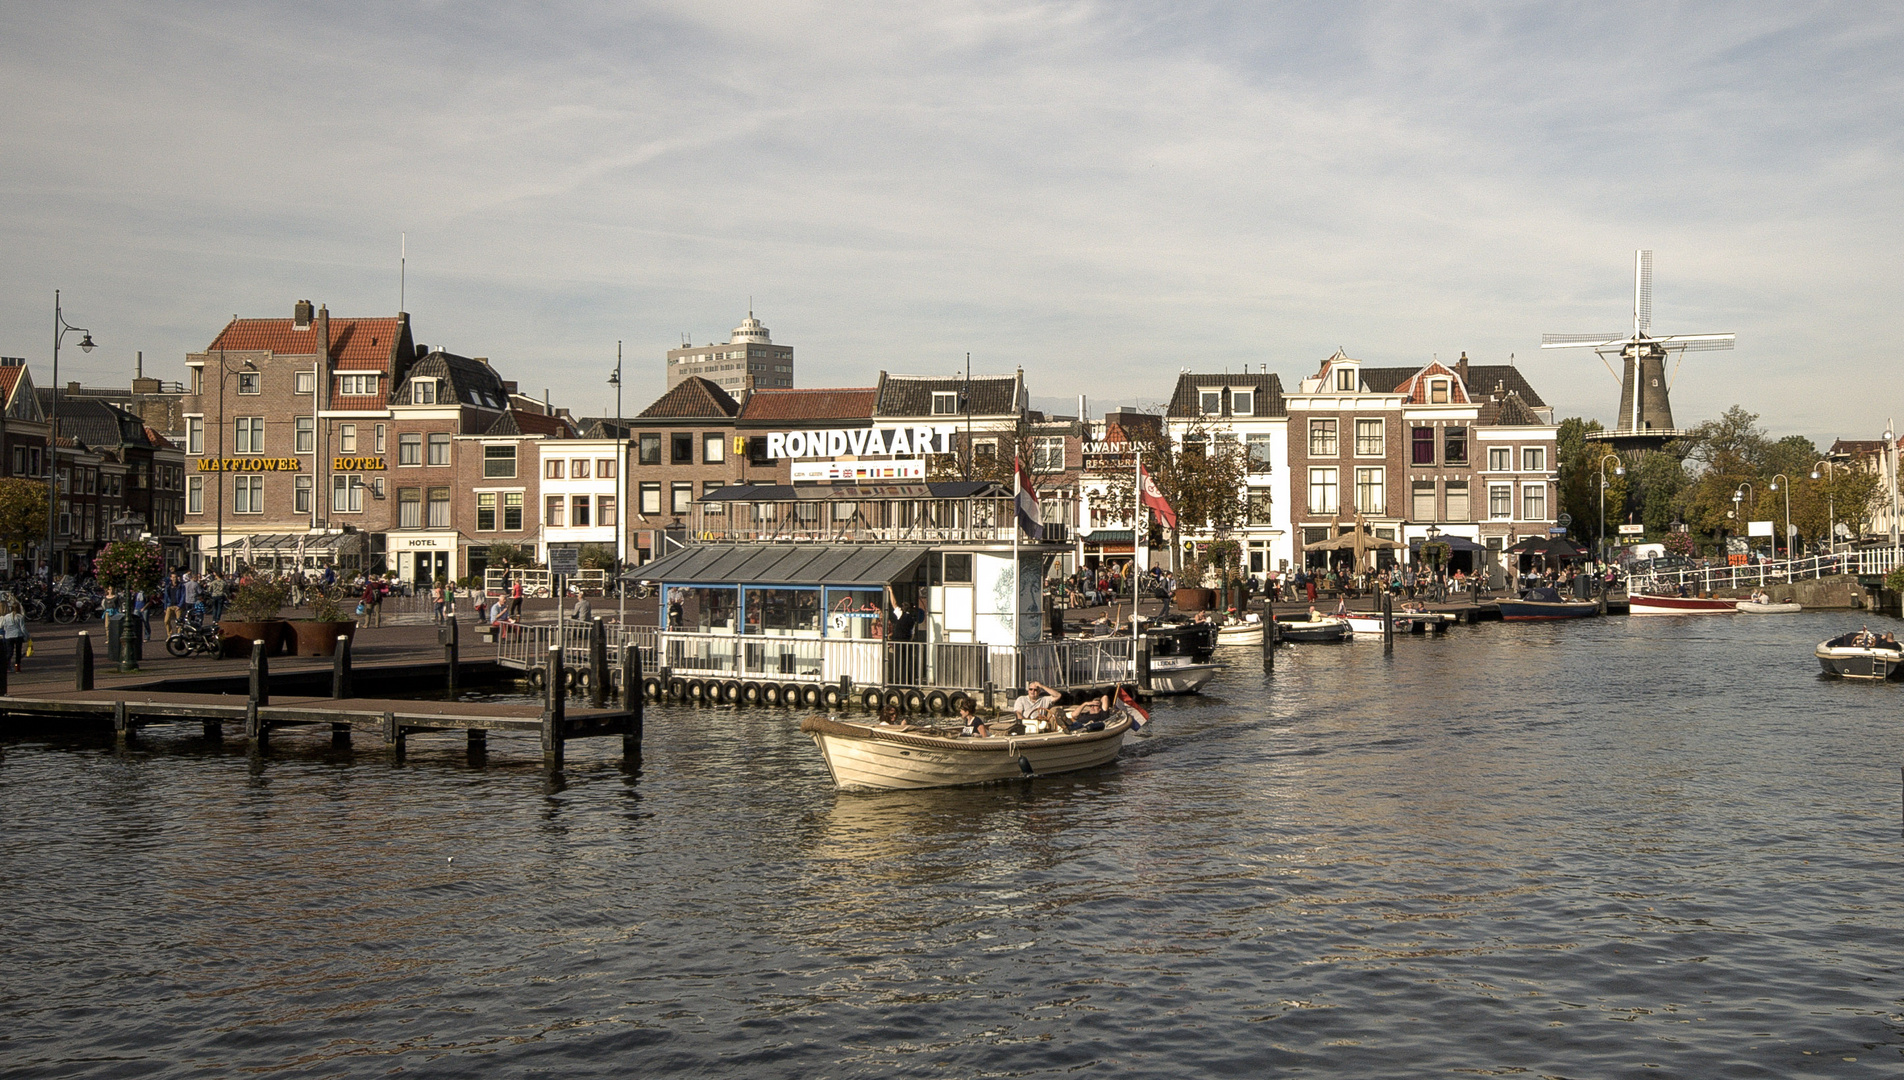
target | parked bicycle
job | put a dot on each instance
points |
(74, 607)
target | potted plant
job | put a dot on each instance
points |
(129, 566)
(1190, 594)
(252, 616)
(317, 635)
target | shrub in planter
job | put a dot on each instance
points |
(252, 615)
(332, 615)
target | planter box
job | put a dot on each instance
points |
(1195, 599)
(238, 636)
(313, 638)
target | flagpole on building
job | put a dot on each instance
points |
(1137, 520)
(1017, 584)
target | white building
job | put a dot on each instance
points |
(582, 497)
(1249, 410)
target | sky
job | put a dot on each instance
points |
(1104, 194)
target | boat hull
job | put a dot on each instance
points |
(1644, 604)
(1330, 629)
(1546, 610)
(1240, 635)
(1370, 626)
(1180, 678)
(862, 758)
(1747, 607)
(1838, 657)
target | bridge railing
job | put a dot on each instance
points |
(1757, 575)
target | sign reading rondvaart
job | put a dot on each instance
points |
(862, 442)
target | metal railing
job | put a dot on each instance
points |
(536, 582)
(1873, 561)
(524, 645)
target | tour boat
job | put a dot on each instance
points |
(1753, 607)
(1653, 604)
(865, 757)
(1859, 655)
(1545, 603)
(1180, 657)
(1327, 628)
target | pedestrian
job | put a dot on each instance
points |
(13, 631)
(215, 594)
(436, 596)
(174, 588)
(369, 602)
(515, 596)
(583, 612)
(142, 604)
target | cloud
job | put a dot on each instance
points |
(1099, 193)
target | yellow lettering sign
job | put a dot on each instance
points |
(250, 465)
(356, 464)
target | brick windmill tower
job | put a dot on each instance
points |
(1646, 413)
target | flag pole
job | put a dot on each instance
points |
(1137, 522)
(1018, 584)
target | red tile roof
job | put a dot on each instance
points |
(850, 403)
(359, 344)
(158, 441)
(693, 398)
(9, 378)
(1416, 386)
(518, 422)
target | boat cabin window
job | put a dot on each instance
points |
(702, 609)
(782, 610)
(854, 613)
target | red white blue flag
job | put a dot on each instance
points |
(1027, 499)
(1139, 715)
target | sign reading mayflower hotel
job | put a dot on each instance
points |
(269, 464)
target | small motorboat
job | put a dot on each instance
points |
(1180, 657)
(1180, 674)
(1368, 624)
(1240, 633)
(1327, 628)
(1754, 607)
(1545, 603)
(1860, 655)
(1661, 604)
(866, 757)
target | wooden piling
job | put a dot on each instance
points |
(1269, 637)
(393, 735)
(340, 736)
(340, 668)
(1388, 621)
(214, 731)
(552, 712)
(450, 652)
(83, 661)
(632, 702)
(597, 664)
(1141, 651)
(260, 675)
(478, 742)
(121, 726)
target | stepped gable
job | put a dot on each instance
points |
(1184, 402)
(846, 403)
(517, 422)
(693, 398)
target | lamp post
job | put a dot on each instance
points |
(1738, 497)
(1618, 470)
(1831, 501)
(1787, 491)
(621, 503)
(1890, 443)
(60, 327)
(225, 372)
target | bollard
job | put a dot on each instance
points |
(128, 640)
(631, 701)
(260, 675)
(83, 661)
(1142, 661)
(450, 651)
(1269, 638)
(553, 711)
(597, 664)
(340, 668)
(1388, 621)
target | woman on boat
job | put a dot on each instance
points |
(969, 723)
(889, 718)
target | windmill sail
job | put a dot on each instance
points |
(1643, 294)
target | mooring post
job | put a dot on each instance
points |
(1142, 661)
(1269, 636)
(552, 712)
(83, 661)
(340, 735)
(214, 731)
(340, 668)
(451, 651)
(846, 691)
(393, 735)
(121, 728)
(478, 741)
(597, 664)
(989, 704)
(128, 640)
(1388, 621)
(260, 675)
(631, 701)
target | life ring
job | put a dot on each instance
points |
(677, 689)
(750, 693)
(730, 692)
(915, 701)
(938, 702)
(770, 693)
(651, 686)
(833, 698)
(810, 695)
(697, 690)
(952, 703)
(871, 697)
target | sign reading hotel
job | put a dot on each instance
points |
(862, 442)
(269, 464)
(356, 464)
(914, 469)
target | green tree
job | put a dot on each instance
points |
(1203, 476)
(1660, 480)
(22, 513)
(1576, 459)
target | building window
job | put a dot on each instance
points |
(247, 495)
(1534, 502)
(304, 435)
(1369, 490)
(440, 449)
(552, 469)
(757, 451)
(248, 432)
(552, 512)
(1457, 508)
(1345, 380)
(512, 511)
(1047, 454)
(194, 494)
(1422, 444)
(945, 402)
(249, 383)
(578, 469)
(422, 391)
(65, 518)
(681, 448)
(648, 448)
(378, 446)
(486, 511)
(1500, 501)
(984, 450)
(439, 508)
(409, 508)
(1210, 402)
(651, 498)
(1533, 459)
(194, 435)
(1438, 392)
(605, 468)
(1368, 438)
(1322, 491)
(410, 449)
(578, 512)
(1261, 450)
(1454, 443)
(1242, 403)
(1500, 458)
(713, 448)
(301, 494)
(1424, 508)
(1322, 440)
(356, 385)
(499, 460)
(605, 510)
(1260, 506)
(347, 438)
(347, 494)
(683, 497)
(305, 382)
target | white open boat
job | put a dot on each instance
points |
(1366, 624)
(1751, 607)
(1243, 633)
(865, 757)
(1860, 655)
(1180, 674)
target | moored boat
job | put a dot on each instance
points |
(865, 757)
(1753, 607)
(1328, 628)
(1545, 603)
(1369, 623)
(1180, 675)
(1244, 633)
(1860, 655)
(1660, 604)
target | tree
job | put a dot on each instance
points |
(1660, 480)
(596, 557)
(1579, 488)
(508, 556)
(1203, 475)
(22, 513)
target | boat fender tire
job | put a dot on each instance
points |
(677, 689)
(811, 696)
(579, 678)
(915, 701)
(871, 697)
(896, 699)
(790, 693)
(952, 703)
(652, 687)
(770, 693)
(750, 692)
(833, 698)
(697, 690)
(730, 692)
(938, 702)
(538, 677)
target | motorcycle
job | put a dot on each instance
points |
(195, 638)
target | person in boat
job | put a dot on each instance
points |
(1314, 615)
(889, 718)
(1037, 700)
(1097, 712)
(1889, 641)
(969, 723)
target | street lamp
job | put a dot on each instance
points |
(1618, 470)
(224, 372)
(60, 327)
(1738, 496)
(1788, 513)
(1831, 501)
(1890, 442)
(621, 502)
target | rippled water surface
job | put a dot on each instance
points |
(1610, 848)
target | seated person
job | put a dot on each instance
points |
(1314, 615)
(969, 723)
(1097, 710)
(889, 718)
(1037, 700)
(1889, 641)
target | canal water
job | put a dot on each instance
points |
(1617, 847)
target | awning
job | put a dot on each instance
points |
(1455, 543)
(784, 564)
(1108, 536)
(322, 541)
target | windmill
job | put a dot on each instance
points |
(1646, 414)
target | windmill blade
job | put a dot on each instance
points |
(1686, 343)
(1642, 293)
(1579, 341)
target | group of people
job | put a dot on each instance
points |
(1037, 711)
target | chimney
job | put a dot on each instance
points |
(746, 388)
(72, 388)
(546, 411)
(1461, 367)
(138, 364)
(301, 315)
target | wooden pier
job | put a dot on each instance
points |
(248, 702)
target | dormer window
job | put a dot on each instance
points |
(356, 385)
(422, 391)
(1242, 403)
(1345, 380)
(1438, 392)
(1210, 402)
(945, 403)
